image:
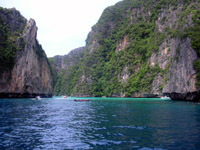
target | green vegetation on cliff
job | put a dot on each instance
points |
(65, 71)
(116, 59)
(194, 34)
(9, 33)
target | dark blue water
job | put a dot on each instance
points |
(99, 124)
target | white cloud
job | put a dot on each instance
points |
(62, 24)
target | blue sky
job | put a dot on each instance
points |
(62, 24)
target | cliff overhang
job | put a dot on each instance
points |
(187, 96)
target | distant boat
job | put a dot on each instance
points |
(81, 100)
(165, 98)
(60, 97)
(37, 98)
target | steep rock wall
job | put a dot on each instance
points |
(177, 58)
(176, 55)
(30, 74)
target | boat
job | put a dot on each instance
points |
(37, 98)
(60, 97)
(81, 100)
(165, 98)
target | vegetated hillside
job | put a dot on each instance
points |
(25, 70)
(64, 69)
(139, 48)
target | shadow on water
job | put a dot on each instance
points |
(101, 123)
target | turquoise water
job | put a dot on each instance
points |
(101, 123)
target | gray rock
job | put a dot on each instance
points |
(31, 74)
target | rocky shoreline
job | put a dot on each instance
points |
(188, 96)
(24, 95)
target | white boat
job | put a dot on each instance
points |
(165, 98)
(37, 98)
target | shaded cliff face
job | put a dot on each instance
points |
(30, 73)
(64, 69)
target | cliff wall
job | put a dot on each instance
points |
(28, 72)
(142, 48)
(64, 70)
(65, 62)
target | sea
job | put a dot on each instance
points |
(99, 124)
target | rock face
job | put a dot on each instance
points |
(187, 96)
(178, 56)
(65, 62)
(31, 74)
(180, 79)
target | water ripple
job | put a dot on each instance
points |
(105, 124)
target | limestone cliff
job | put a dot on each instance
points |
(142, 48)
(176, 54)
(30, 74)
(65, 62)
(64, 68)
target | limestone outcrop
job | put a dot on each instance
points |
(30, 74)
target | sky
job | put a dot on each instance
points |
(63, 25)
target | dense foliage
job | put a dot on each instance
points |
(103, 68)
(8, 40)
(194, 34)
(64, 71)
